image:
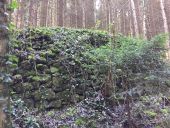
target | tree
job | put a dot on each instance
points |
(89, 14)
(79, 18)
(165, 24)
(136, 29)
(44, 9)
(73, 13)
(60, 13)
(3, 50)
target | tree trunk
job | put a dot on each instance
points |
(3, 50)
(60, 13)
(165, 24)
(44, 9)
(79, 8)
(89, 14)
(73, 14)
(136, 29)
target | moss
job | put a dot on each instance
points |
(54, 69)
(37, 95)
(49, 94)
(27, 86)
(165, 111)
(150, 113)
(41, 78)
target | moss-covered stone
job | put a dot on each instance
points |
(55, 104)
(54, 69)
(49, 94)
(37, 95)
(27, 86)
(41, 78)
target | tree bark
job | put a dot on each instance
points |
(73, 14)
(3, 50)
(44, 9)
(89, 14)
(136, 29)
(165, 24)
(79, 8)
(60, 13)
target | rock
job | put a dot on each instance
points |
(17, 78)
(41, 66)
(26, 65)
(54, 70)
(37, 95)
(49, 94)
(18, 88)
(47, 85)
(28, 95)
(55, 104)
(30, 103)
(41, 78)
(27, 86)
(41, 60)
(35, 85)
(65, 95)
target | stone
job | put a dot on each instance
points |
(49, 94)
(41, 66)
(55, 104)
(27, 86)
(64, 95)
(54, 69)
(37, 95)
(18, 88)
(28, 94)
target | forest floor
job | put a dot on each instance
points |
(149, 111)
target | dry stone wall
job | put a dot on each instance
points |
(49, 67)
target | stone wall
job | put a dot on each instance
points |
(49, 67)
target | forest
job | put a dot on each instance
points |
(84, 64)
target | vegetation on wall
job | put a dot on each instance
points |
(53, 68)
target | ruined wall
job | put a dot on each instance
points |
(49, 67)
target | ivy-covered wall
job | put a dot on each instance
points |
(49, 67)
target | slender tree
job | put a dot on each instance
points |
(60, 12)
(44, 10)
(79, 18)
(89, 14)
(136, 29)
(165, 24)
(73, 13)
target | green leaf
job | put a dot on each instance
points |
(13, 58)
(13, 5)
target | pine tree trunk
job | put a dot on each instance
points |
(60, 13)
(136, 29)
(44, 9)
(79, 8)
(89, 14)
(73, 14)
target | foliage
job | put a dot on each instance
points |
(13, 5)
(21, 116)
